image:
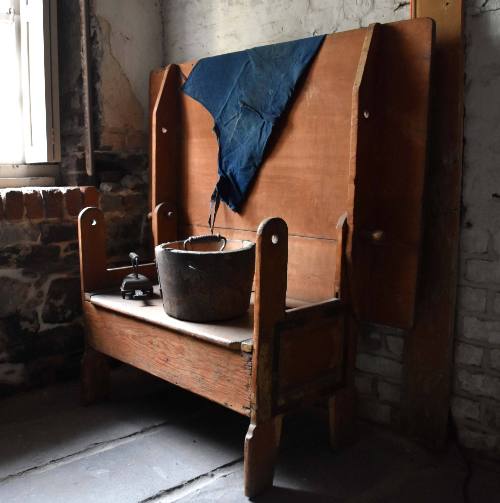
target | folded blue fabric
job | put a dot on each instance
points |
(246, 92)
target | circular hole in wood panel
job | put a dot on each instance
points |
(274, 239)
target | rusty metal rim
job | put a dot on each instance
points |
(246, 245)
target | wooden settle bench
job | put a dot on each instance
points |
(343, 183)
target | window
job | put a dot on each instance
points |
(29, 95)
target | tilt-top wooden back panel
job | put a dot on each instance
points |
(304, 177)
(318, 151)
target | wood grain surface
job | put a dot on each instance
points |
(215, 372)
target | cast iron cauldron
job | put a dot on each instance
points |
(206, 278)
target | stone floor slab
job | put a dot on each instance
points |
(134, 469)
(155, 443)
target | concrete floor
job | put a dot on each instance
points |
(155, 443)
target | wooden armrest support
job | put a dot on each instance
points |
(94, 272)
(270, 297)
(164, 224)
(298, 354)
(309, 354)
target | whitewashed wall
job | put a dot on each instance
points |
(198, 28)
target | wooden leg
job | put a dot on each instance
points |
(95, 376)
(261, 449)
(342, 417)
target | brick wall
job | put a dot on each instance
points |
(476, 394)
(41, 334)
(379, 374)
(40, 331)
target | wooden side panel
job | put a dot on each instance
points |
(94, 273)
(430, 344)
(391, 157)
(311, 263)
(155, 86)
(166, 139)
(309, 355)
(217, 373)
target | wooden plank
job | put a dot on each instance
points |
(94, 274)
(155, 86)
(164, 223)
(270, 304)
(304, 178)
(261, 441)
(212, 371)
(92, 248)
(311, 262)
(342, 405)
(229, 334)
(166, 139)
(429, 344)
(309, 355)
(261, 450)
(390, 154)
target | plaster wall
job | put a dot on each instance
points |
(199, 28)
(127, 46)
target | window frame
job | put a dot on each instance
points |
(41, 117)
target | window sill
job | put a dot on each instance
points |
(28, 175)
(45, 181)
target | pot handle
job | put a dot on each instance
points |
(206, 238)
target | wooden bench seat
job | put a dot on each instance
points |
(229, 334)
(234, 334)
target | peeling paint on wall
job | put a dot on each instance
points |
(132, 47)
(121, 113)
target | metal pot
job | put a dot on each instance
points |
(206, 278)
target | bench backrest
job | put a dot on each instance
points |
(318, 151)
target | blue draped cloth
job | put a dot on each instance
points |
(246, 92)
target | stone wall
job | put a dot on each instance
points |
(40, 330)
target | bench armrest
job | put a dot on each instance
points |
(94, 272)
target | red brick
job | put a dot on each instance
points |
(14, 205)
(53, 201)
(73, 199)
(90, 196)
(33, 203)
